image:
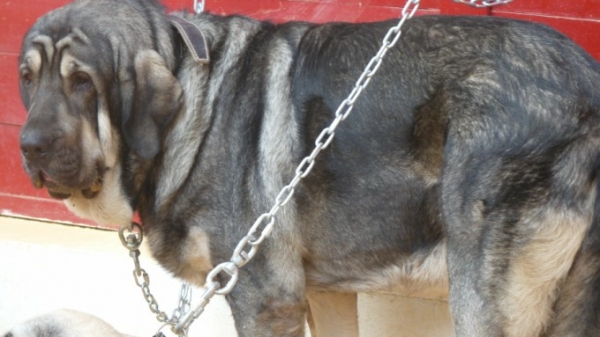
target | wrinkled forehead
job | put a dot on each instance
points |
(67, 53)
(45, 44)
(98, 25)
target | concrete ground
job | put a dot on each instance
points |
(46, 266)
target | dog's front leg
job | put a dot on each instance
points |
(269, 299)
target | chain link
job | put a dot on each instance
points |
(483, 3)
(185, 303)
(199, 6)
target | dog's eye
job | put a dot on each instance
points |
(26, 78)
(81, 81)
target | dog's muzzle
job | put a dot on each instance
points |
(51, 163)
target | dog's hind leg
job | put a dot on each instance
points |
(537, 269)
(577, 310)
(514, 228)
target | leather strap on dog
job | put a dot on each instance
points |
(193, 38)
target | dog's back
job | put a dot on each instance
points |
(483, 129)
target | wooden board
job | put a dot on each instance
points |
(578, 19)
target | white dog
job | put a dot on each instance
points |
(63, 322)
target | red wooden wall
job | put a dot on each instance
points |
(578, 19)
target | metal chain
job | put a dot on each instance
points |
(185, 303)
(248, 246)
(132, 242)
(483, 3)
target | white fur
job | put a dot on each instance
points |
(110, 206)
(46, 42)
(33, 60)
(63, 322)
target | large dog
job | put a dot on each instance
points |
(472, 157)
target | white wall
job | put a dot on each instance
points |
(48, 266)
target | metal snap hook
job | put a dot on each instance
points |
(135, 237)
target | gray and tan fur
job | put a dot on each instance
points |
(470, 162)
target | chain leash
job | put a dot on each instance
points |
(483, 3)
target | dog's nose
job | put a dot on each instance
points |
(35, 144)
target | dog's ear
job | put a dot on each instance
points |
(157, 97)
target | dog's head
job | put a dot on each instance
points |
(96, 78)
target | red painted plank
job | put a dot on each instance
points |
(17, 16)
(177, 5)
(430, 4)
(43, 209)
(12, 111)
(587, 9)
(280, 11)
(425, 4)
(584, 32)
(448, 7)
